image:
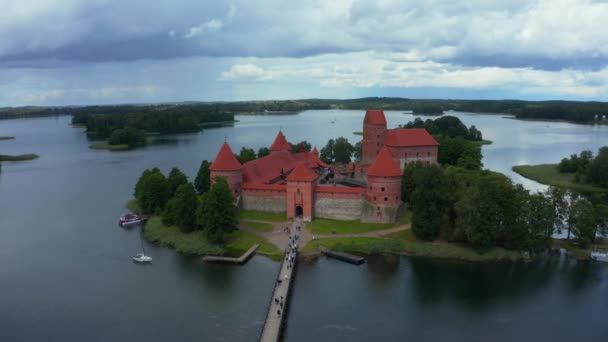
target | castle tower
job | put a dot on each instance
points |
(280, 144)
(374, 134)
(226, 165)
(384, 189)
(300, 190)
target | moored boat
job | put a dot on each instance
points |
(130, 219)
(142, 258)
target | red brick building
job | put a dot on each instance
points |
(300, 184)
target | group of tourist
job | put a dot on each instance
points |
(290, 258)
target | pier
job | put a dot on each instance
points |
(276, 315)
(353, 259)
(239, 261)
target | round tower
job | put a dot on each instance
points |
(226, 165)
(374, 134)
(383, 189)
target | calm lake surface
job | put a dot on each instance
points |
(66, 272)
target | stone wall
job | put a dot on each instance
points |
(273, 204)
(337, 208)
(379, 213)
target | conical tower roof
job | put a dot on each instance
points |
(225, 160)
(384, 165)
(280, 143)
(375, 117)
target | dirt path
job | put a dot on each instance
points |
(374, 233)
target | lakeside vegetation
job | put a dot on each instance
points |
(572, 111)
(19, 157)
(107, 146)
(548, 174)
(6, 138)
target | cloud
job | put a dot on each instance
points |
(245, 71)
(212, 25)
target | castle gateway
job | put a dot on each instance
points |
(301, 184)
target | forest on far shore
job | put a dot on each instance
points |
(573, 111)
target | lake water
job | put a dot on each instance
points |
(66, 273)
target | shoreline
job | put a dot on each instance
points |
(547, 174)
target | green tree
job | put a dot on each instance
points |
(343, 151)
(153, 192)
(216, 214)
(557, 196)
(203, 178)
(541, 219)
(327, 153)
(428, 203)
(175, 179)
(245, 155)
(458, 151)
(601, 215)
(127, 136)
(583, 222)
(181, 210)
(302, 145)
(263, 151)
(598, 169)
(408, 180)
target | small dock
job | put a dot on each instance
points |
(276, 315)
(239, 261)
(352, 259)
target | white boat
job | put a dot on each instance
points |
(142, 258)
(599, 256)
(130, 220)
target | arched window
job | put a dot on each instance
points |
(298, 191)
(385, 199)
(382, 189)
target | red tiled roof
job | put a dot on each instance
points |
(384, 165)
(302, 173)
(375, 117)
(280, 143)
(268, 168)
(225, 160)
(402, 137)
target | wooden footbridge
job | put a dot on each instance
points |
(276, 314)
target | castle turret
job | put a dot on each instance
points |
(300, 189)
(280, 144)
(374, 134)
(226, 165)
(384, 189)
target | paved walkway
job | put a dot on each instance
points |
(277, 309)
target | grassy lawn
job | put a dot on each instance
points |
(404, 242)
(328, 226)
(548, 174)
(30, 156)
(240, 241)
(6, 138)
(258, 226)
(261, 216)
(106, 146)
(196, 243)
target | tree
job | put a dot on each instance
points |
(216, 214)
(153, 193)
(408, 180)
(140, 182)
(302, 145)
(583, 222)
(541, 219)
(458, 151)
(175, 179)
(598, 169)
(327, 153)
(245, 155)
(203, 178)
(343, 151)
(181, 210)
(358, 153)
(129, 136)
(557, 196)
(428, 203)
(263, 151)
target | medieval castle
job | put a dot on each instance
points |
(301, 184)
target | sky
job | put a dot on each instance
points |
(77, 52)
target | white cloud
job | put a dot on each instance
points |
(245, 71)
(212, 25)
